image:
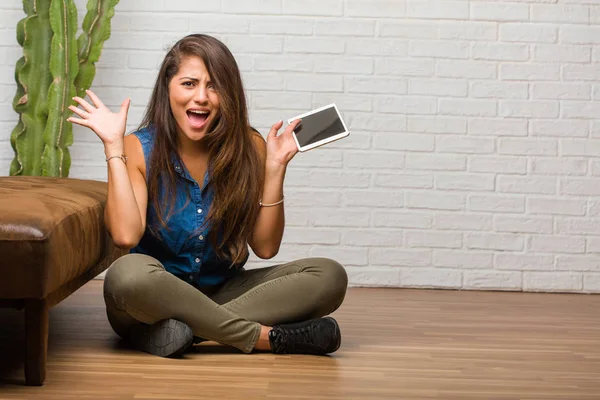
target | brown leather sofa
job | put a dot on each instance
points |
(52, 241)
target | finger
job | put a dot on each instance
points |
(274, 129)
(86, 106)
(125, 106)
(290, 128)
(79, 111)
(78, 121)
(95, 99)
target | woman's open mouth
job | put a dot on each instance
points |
(197, 118)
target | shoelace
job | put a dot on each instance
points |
(294, 339)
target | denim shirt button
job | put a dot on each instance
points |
(197, 260)
(199, 211)
(201, 237)
(191, 277)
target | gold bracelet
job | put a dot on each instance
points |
(123, 157)
(260, 203)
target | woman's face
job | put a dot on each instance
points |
(194, 101)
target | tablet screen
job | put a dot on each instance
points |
(319, 126)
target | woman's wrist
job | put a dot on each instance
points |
(274, 168)
(274, 177)
(114, 149)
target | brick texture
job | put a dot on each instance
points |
(472, 160)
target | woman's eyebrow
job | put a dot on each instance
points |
(190, 78)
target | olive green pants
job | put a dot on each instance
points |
(137, 288)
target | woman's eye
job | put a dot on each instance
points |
(188, 83)
(210, 86)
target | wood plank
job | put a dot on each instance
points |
(397, 344)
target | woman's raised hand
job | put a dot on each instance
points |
(281, 148)
(109, 126)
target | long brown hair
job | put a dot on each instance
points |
(236, 170)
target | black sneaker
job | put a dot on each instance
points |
(317, 336)
(166, 338)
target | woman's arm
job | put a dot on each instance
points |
(269, 226)
(125, 211)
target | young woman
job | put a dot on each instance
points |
(188, 192)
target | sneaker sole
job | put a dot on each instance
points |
(166, 338)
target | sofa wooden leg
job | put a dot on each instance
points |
(36, 332)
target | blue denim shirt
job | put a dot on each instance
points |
(191, 258)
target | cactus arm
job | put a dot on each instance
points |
(21, 31)
(33, 79)
(20, 98)
(29, 7)
(96, 30)
(19, 101)
(64, 67)
(16, 166)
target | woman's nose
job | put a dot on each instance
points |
(201, 96)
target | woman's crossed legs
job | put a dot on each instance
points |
(275, 308)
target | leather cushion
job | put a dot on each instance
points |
(51, 231)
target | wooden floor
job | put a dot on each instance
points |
(397, 344)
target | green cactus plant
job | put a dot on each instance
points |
(55, 66)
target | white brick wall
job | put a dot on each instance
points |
(475, 128)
